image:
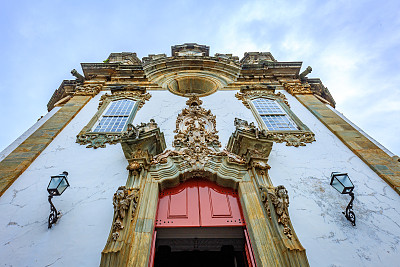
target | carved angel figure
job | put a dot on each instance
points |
(280, 199)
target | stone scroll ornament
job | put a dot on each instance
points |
(123, 199)
(295, 139)
(279, 198)
(196, 138)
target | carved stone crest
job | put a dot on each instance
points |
(196, 138)
(280, 200)
(123, 199)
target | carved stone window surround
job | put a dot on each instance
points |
(99, 139)
(249, 93)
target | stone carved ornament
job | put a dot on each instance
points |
(137, 95)
(295, 88)
(196, 138)
(88, 89)
(295, 139)
(96, 140)
(122, 200)
(279, 198)
(256, 91)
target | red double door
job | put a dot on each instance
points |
(200, 203)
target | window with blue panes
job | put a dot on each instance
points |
(115, 117)
(273, 116)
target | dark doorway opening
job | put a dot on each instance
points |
(200, 246)
(226, 257)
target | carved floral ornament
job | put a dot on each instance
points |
(295, 138)
(279, 198)
(196, 139)
(123, 200)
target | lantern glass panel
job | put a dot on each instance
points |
(54, 182)
(342, 183)
(62, 186)
(337, 185)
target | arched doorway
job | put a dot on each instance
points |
(199, 223)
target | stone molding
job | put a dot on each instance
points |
(250, 92)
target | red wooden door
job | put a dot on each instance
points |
(199, 203)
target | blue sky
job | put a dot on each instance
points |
(353, 46)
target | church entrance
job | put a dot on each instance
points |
(199, 223)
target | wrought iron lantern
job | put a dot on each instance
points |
(56, 187)
(342, 183)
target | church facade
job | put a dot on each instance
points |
(198, 160)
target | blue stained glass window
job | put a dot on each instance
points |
(115, 116)
(274, 117)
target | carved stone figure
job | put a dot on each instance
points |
(122, 201)
(280, 199)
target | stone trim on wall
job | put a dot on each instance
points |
(19, 160)
(100, 139)
(291, 138)
(381, 163)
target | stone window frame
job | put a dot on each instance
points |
(282, 103)
(292, 137)
(98, 139)
(105, 106)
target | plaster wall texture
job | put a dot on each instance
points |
(315, 208)
(27, 133)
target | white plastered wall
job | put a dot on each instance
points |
(94, 174)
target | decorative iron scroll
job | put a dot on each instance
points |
(280, 199)
(122, 200)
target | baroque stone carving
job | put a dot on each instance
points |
(196, 138)
(260, 90)
(291, 138)
(88, 89)
(296, 139)
(280, 200)
(295, 88)
(96, 140)
(122, 200)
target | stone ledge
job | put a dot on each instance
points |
(381, 163)
(21, 158)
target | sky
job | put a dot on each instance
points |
(352, 46)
